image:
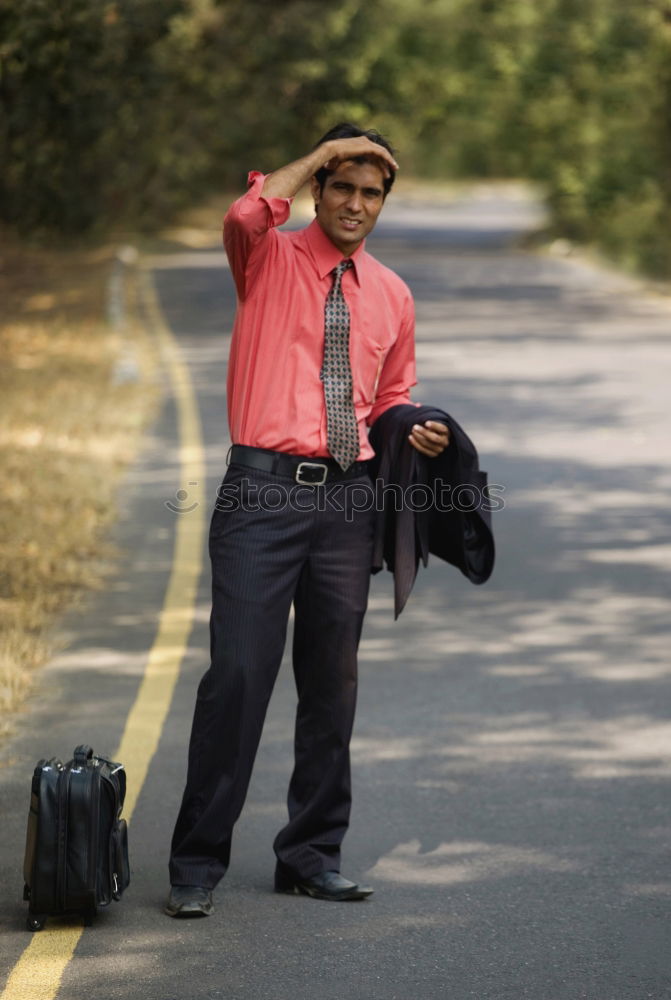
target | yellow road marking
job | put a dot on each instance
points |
(147, 716)
(37, 974)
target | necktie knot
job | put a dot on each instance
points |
(339, 270)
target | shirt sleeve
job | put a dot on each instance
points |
(249, 231)
(399, 371)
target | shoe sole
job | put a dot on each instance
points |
(181, 914)
(350, 896)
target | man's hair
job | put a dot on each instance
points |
(346, 130)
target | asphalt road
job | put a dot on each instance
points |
(512, 753)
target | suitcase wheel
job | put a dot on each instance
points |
(34, 923)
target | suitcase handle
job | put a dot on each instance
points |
(82, 753)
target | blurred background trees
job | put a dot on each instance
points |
(123, 112)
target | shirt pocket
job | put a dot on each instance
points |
(367, 368)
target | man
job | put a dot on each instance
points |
(323, 344)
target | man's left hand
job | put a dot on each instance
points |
(431, 439)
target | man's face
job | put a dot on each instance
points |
(348, 207)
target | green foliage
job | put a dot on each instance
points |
(597, 125)
(79, 97)
(122, 112)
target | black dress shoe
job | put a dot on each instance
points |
(189, 901)
(325, 885)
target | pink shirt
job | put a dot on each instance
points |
(275, 395)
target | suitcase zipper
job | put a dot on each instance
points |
(94, 789)
(63, 797)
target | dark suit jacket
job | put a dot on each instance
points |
(448, 513)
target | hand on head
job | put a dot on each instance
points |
(340, 150)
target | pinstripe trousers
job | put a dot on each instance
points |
(313, 551)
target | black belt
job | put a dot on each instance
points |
(303, 470)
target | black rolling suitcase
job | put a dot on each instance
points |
(76, 844)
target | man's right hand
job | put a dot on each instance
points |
(287, 181)
(339, 150)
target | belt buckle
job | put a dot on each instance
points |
(324, 470)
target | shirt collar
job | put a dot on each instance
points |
(326, 254)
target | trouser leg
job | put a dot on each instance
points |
(330, 604)
(256, 561)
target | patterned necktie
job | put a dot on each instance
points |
(342, 432)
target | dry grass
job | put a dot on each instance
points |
(67, 430)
